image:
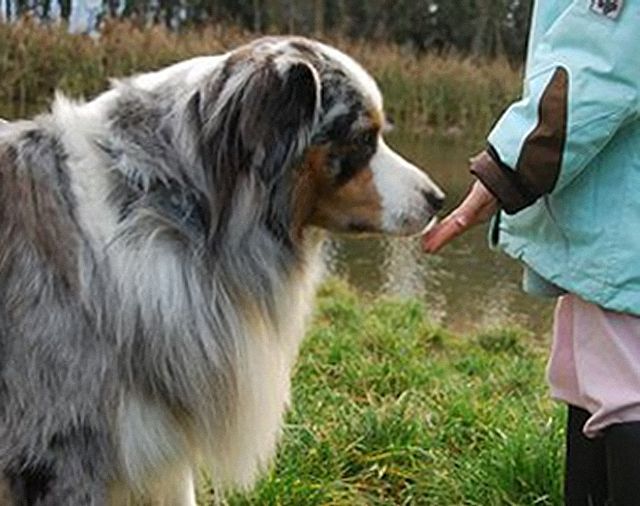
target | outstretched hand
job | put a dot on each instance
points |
(477, 207)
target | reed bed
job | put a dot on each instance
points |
(449, 95)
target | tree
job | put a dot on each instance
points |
(257, 16)
(487, 39)
(318, 17)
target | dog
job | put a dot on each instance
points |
(159, 249)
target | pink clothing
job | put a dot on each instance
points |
(595, 362)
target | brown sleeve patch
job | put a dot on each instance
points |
(542, 153)
(538, 167)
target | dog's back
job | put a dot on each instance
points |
(54, 363)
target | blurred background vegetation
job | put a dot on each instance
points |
(476, 27)
(445, 66)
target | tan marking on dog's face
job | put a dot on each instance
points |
(377, 119)
(354, 206)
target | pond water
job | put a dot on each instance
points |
(467, 286)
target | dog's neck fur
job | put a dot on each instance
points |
(209, 320)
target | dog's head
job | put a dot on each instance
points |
(290, 133)
(350, 180)
(310, 117)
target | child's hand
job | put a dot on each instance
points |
(478, 206)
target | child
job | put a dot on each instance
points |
(561, 176)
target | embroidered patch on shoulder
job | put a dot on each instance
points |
(608, 8)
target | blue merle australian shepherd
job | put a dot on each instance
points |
(159, 248)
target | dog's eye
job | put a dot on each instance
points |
(367, 139)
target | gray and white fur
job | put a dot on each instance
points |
(159, 248)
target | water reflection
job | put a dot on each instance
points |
(467, 286)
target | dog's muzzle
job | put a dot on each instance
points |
(410, 199)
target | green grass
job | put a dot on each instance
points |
(391, 410)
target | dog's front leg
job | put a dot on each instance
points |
(177, 492)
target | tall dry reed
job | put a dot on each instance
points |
(447, 95)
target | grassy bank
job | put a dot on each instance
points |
(390, 410)
(443, 95)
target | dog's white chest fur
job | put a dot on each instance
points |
(152, 438)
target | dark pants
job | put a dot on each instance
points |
(605, 470)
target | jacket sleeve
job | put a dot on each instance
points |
(582, 85)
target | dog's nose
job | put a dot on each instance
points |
(435, 199)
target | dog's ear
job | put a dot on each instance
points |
(256, 120)
(262, 117)
(279, 111)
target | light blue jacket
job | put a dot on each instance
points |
(564, 161)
